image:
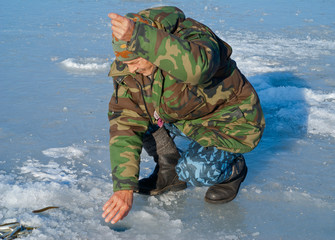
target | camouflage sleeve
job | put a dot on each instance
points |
(127, 126)
(191, 55)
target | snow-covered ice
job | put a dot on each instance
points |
(54, 94)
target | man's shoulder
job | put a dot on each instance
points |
(163, 12)
(165, 17)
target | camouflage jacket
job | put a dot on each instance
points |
(195, 85)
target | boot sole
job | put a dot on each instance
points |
(173, 188)
(227, 199)
(220, 201)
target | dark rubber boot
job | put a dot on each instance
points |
(167, 177)
(145, 185)
(227, 190)
(164, 173)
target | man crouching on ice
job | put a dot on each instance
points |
(173, 76)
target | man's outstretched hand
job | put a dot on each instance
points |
(118, 206)
(122, 27)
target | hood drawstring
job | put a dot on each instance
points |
(116, 86)
(117, 81)
(144, 102)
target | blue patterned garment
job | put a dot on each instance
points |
(203, 166)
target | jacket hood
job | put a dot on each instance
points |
(166, 18)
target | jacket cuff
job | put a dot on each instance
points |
(126, 184)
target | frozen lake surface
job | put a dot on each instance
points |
(54, 94)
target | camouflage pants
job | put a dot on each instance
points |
(203, 166)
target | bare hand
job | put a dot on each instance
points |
(118, 206)
(122, 27)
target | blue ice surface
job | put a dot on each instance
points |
(54, 94)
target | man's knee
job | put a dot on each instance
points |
(205, 166)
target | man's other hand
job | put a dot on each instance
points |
(122, 27)
(118, 206)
